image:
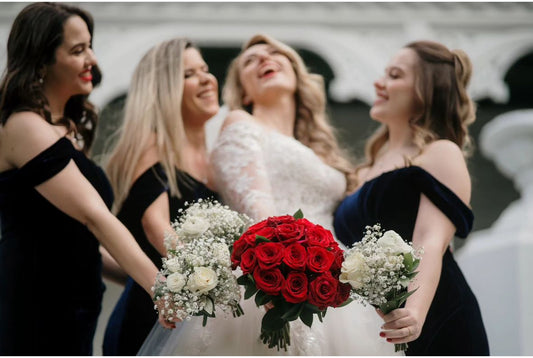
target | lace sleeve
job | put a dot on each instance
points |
(240, 172)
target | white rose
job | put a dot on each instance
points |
(202, 280)
(173, 265)
(354, 269)
(175, 282)
(221, 253)
(391, 240)
(194, 226)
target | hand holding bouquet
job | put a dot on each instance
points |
(196, 275)
(379, 268)
(295, 265)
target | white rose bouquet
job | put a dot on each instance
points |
(379, 268)
(196, 276)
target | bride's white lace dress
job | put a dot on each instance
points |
(263, 173)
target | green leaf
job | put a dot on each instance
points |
(272, 320)
(299, 214)
(307, 317)
(250, 291)
(312, 308)
(408, 261)
(245, 280)
(349, 300)
(262, 298)
(259, 239)
(402, 298)
(293, 312)
(415, 264)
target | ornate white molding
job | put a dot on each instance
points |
(355, 39)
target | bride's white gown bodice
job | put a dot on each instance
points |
(263, 173)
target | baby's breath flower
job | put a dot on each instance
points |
(196, 275)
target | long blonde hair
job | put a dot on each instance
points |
(312, 126)
(444, 108)
(153, 106)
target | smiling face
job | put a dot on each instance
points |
(200, 89)
(395, 91)
(70, 74)
(265, 70)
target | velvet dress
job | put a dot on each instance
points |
(454, 324)
(134, 316)
(50, 267)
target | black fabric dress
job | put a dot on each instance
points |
(50, 267)
(453, 325)
(134, 316)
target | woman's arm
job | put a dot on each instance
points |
(239, 168)
(111, 270)
(433, 232)
(25, 136)
(156, 223)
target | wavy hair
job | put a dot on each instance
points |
(153, 105)
(36, 33)
(444, 109)
(312, 126)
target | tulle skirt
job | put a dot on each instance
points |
(350, 330)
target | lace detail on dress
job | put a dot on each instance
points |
(240, 171)
(262, 173)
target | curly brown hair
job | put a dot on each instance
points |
(36, 34)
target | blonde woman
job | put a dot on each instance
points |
(277, 153)
(159, 162)
(415, 181)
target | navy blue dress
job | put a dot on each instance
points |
(50, 267)
(453, 325)
(134, 316)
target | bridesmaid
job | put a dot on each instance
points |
(54, 201)
(415, 181)
(159, 163)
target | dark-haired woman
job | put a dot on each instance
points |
(415, 181)
(53, 200)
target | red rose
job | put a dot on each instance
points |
(269, 281)
(294, 290)
(269, 254)
(319, 259)
(305, 223)
(256, 227)
(339, 259)
(239, 247)
(295, 256)
(323, 291)
(248, 261)
(289, 232)
(274, 221)
(268, 232)
(249, 238)
(343, 293)
(318, 236)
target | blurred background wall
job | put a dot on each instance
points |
(349, 44)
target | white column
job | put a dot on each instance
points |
(498, 262)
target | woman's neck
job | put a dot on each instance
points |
(400, 137)
(279, 115)
(56, 104)
(195, 160)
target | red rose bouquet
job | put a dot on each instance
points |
(295, 265)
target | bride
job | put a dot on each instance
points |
(280, 158)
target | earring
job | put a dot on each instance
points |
(41, 80)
